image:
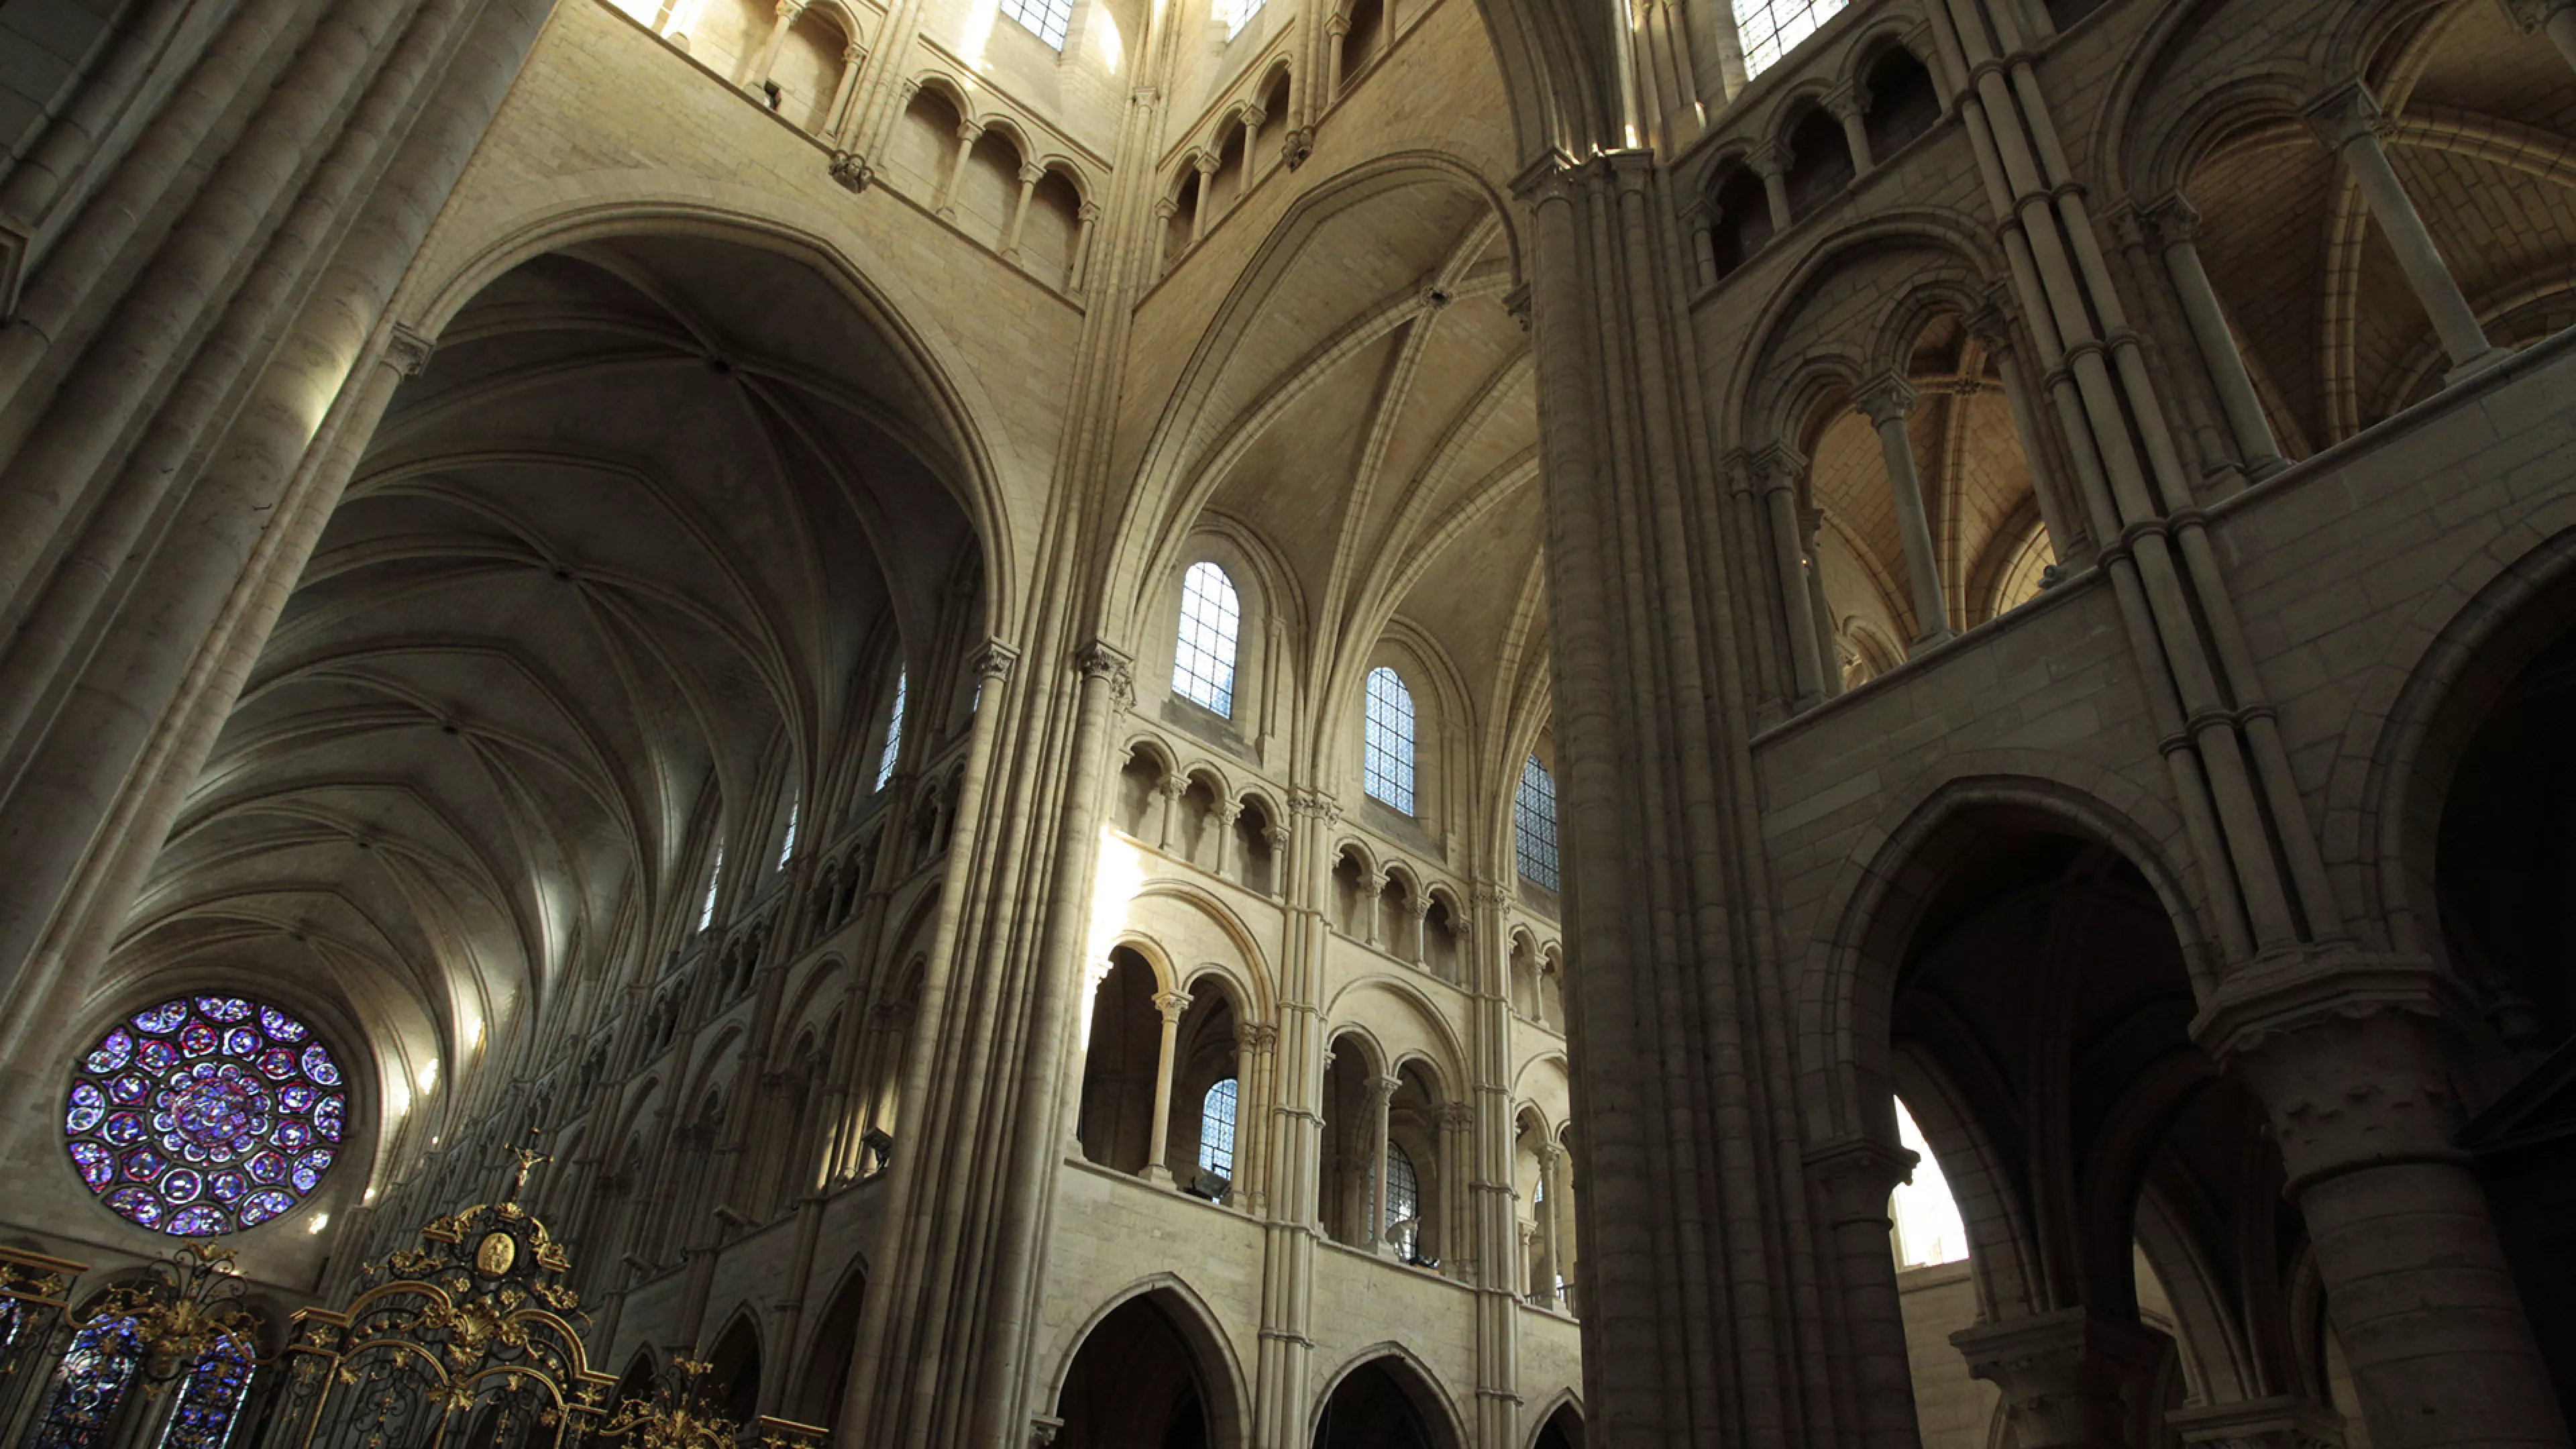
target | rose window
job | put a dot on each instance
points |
(205, 1115)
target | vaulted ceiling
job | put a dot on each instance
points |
(634, 544)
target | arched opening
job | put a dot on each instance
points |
(1135, 1384)
(2505, 882)
(1344, 1201)
(2040, 1031)
(1360, 42)
(827, 1362)
(733, 1372)
(1383, 1404)
(1119, 1067)
(1820, 162)
(1740, 219)
(1903, 102)
(1204, 1054)
(1563, 1430)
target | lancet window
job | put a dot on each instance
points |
(1211, 624)
(1387, 740)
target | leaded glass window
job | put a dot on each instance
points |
(1771, 29)
(1386, 763)
(1534, 824)
(894, 732)
(205, 1115)
(1235, 14)
(1047, 18)
(1403, 1201)
(89, 1386)
(1216, 1129)
(1211, 623)
(210, 1400)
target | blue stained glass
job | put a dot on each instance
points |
(209, 1401)
(191, 1121)
(114, 1051)
(88, 1387)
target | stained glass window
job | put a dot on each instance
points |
(210, 1400)
(1771, 29)
(89, 1386)
(894, 734)
(1386, 764)
(1046, 17)
(1534, 823)
(1211, 621)
(205, 1115)
(1216, 1129)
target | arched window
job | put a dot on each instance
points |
(1928, 1229)
(89, 1385)
(1211, 620)
(1771, 29)
(1216, 1129)
(1403, 1201)
(1236, 14)
(1048, 18)
(894, 732)
(715, 877)
(209, 1399)
(1534, 823)
(787, 846)
(1386, 766)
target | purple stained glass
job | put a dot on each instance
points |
(114, 1051)
(194, 1120)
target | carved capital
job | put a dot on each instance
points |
(2285, 1421)
(1885, 399)
(1457, 1116)
(968, 132)
(1172, 1004)
(408, 351)
(1847, 103)
(1206, 162)
(2171, 222)
(2344, 1053)
(1296, 146)
(1769, 162)
(1314, 805)
(1087, 213)
(1780, 467)
(2344, 115)
(1516, 303)
(1106, 663)
(1856, 1174)
(1031, 173)
(993, 660)
(2067, 1378)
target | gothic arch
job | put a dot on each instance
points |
(1201, 1331)
(1420, 1386)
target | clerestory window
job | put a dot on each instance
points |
(1236, 14)
(1216, 1128)
(1048, 19)
(1771, 29)
(1534, 824)
(1211, 625)
(894, 733)
(1386, 740)
(715, 877)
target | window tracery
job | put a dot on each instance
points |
(205, 1115)
(1211, 625)
(894, 732)
(89, 1387)
(1534, 824)
(1386, 767)
(1216, 1128)
(1771, 29)
(1046, 19)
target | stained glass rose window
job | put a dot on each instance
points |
(205, 1115)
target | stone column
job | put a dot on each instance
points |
(1854, 1178)
(2175, 226)
(2342, 1052)
(1257, 1101)
(1886, 402)
(1171, 788)
(1780, 470)
(1417, 906)
(1170, 1004)
(1277, 837)
(1551, 1187)
(1083, 217)
(2349, 121)
(2061, 513)
(786, 11)
(2069, 1380)
(1375, 884)
(1246, 1039)
(946, 203)
(1223, 818)
(1203, 215)
(1771, 163)
(1030, 175)
(1811, 522)
(836, 117)
(1457, 1197)
(1381, 1093)
(1336, 30)
(1850, 104)
(2557, 18)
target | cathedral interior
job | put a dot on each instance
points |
(1287, 724)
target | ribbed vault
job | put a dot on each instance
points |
(633, 554)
